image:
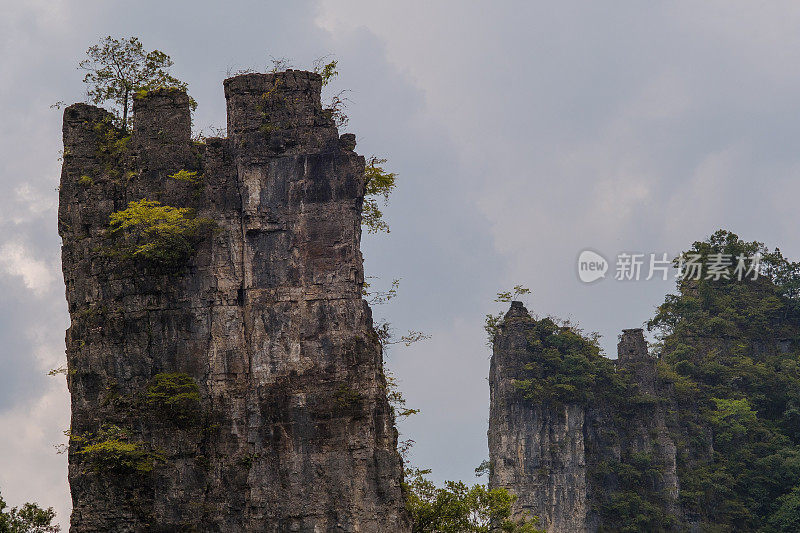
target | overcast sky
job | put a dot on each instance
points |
(522, 134)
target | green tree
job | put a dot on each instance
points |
(380, 184)
(492, 322)
(30, 518)
(459, 508)
(158, 234)
(730, 348)
(787, 518)
(119, 68)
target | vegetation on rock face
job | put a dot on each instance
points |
(566, 367)
(157, 234)
(111, 452)
(562, 366)
(633, 504)
(30, 518)
(347, 400)
(176, 395)
(112, 147)
(733, 346)
(119, 68)
(729, 374)
(459, 508)
(380, 184)
(187, 176)
(493, 321)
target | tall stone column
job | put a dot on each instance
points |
(240, 386)
(570, 462)
(536, 450)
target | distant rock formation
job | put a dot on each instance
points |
(566, 461)
(222, 364)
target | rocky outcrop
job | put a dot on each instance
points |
(222, 364)
(536, 451)
(581, 465)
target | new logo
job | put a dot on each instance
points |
(591, 266)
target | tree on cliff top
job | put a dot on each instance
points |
(118, 68)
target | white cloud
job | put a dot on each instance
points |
(35, 201)
(30, 468)
(16, 260)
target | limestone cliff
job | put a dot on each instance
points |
(536, 451)
(566, 431)
(221, 360)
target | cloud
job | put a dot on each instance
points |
(642, 128)
(30, 468)
(15, 260)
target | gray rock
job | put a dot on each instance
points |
(550, 455)
(289, 428)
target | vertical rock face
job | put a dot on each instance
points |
(536, 451)
(238, 387)
(569, 463)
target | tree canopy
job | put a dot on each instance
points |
(157, 234)
(119, 68)
(457, 507)
(30, 518)
(730, 348)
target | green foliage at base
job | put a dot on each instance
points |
(30, 518)
(731, 350)
(110, 452)
(157, 234)
(176, 395)
(459, 508)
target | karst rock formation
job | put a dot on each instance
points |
(223, 368)
(561, 459)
